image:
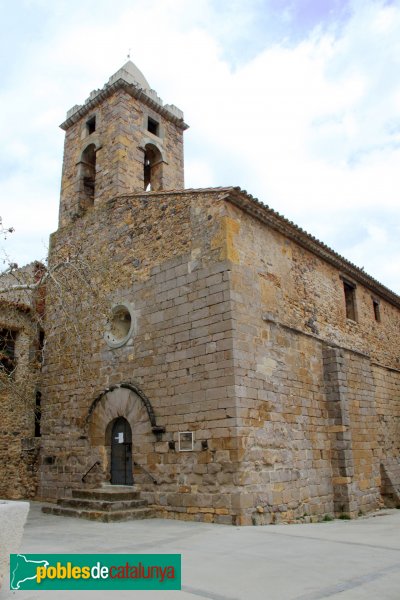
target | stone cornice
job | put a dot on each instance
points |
(167, 111)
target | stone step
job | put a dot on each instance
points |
(96, 515)
(110, 493)
(101, 505)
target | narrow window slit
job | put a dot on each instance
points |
(350, 300)
(377, 311)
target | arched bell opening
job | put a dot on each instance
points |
(87, 177)
(153, 168)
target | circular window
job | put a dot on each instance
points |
(120, 327)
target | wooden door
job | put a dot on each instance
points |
(121, 453)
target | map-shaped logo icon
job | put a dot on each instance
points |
(24, 570)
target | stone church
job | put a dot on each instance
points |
(220, 364)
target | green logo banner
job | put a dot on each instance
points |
(95, 571)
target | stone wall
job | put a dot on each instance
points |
(19, 448)
(285, 471)
(309, 413)
(387, 394)
(363, 425)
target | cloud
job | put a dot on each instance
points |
(315, 130)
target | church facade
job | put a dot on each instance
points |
(227, 364)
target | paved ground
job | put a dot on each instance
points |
(357, 560)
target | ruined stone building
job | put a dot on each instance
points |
(225, 362)
(21, 311)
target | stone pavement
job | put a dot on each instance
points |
(351, 560)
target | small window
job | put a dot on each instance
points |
(7, 350)
(377, 311)
(152, 126)
(91, 125)
(350, 300)
(120, 326)
(38, 414)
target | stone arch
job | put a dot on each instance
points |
(156, 429)
(111, 405)
(118, 402)
(153, 168)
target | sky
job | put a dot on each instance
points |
(295, 101)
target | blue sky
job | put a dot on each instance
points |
(298, 102)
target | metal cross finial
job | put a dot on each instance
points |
(128, 56)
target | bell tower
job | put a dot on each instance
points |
(122, 140)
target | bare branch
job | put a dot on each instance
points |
(4, 231)
(17, 287)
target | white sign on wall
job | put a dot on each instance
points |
(186, 439)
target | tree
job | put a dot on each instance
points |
(67, 282)
(70, 284)
(4, 231)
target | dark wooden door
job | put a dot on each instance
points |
(121, 453)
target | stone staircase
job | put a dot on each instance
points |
(106, 504)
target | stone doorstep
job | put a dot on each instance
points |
(102, 516)
(113, 487)
(101, 505)
(110, 495)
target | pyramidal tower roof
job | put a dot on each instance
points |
(135, 83)
(131, 74)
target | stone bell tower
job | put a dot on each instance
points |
(123, 139)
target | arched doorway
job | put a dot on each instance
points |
(121, 452)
